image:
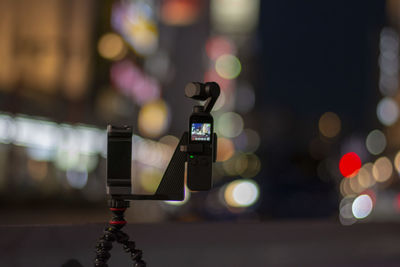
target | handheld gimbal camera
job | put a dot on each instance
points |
(195, 153)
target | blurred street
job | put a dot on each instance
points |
(300, 243)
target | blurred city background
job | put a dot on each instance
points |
(307, 118)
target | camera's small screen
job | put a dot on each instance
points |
(201, 132)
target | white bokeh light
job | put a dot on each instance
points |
(230, 124)
(245, 193)
(362, 206)
(387, 111)
(77, 179)
(376, 142)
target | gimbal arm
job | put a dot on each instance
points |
(208, 92)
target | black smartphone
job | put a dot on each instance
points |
(119, 159)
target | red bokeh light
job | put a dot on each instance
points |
(180, 12)
(218, 46)
(349, 164)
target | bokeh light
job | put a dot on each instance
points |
(228, 66)
(180, 12)
(365, 177)
(387, 111)
(36, 133)
(77, 179)
(71, 159)
(345, 188)
(230, 124)
(247, 141)
(135, 22)
(349, 164)
(397, 162)
(346, 215)
(130, 80)
(329, 124)
(388, 58)
(388, 84)
(225, 149)
(241, 193)
(375, 142)
(149, 179)
(153, 118)
(243, 164)
(345, 211)
(7, 128)
(388, 62)
(355, 185)
(151, 153)
(389, 40)
(38, 170)
(382, 169)
(40, 154)
(170, 140)
(362, 206)
(111, 46)
(218, 46)
(230, 166)
(253, 165)
(234, 16)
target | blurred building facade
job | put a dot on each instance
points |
(307, 118)
(72, 67)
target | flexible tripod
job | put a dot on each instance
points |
(113, 233)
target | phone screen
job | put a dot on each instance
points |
(200, 131)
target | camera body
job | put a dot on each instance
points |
(200, 152)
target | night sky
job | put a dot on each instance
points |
(317, 56)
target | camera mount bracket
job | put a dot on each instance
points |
(172, 185)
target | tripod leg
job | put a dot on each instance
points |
(103, 246)
(114, 233)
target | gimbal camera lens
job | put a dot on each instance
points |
(195, 90)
